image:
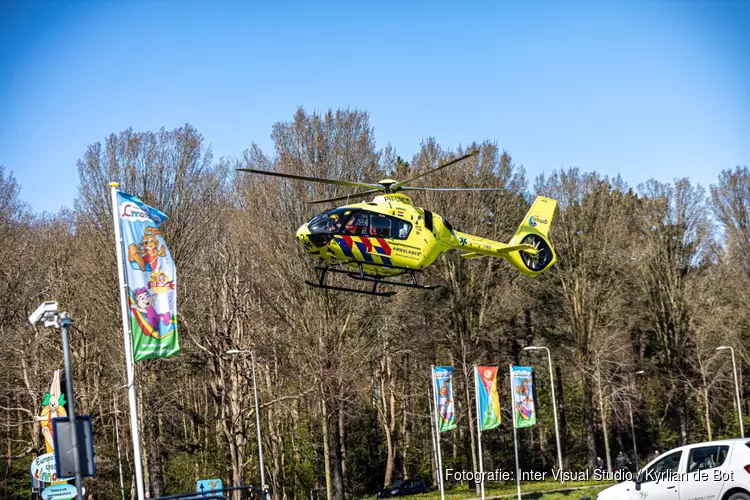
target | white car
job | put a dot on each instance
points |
(718, 470)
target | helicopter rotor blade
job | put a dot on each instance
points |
(376, 187)
(456, 189)
(345, 197)
(395, 187)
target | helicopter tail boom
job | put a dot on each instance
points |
(529, 250)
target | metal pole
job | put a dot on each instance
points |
(515, 433)
(632, 429)
(432, 432)
(257, 423)
(65, 321)
(554, 413)
(138, 465)
(479, 429)
(437, 432)
(737, 393)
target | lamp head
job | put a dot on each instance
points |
(640, 372)
(45, 314)
(531, 348)
(721, 347)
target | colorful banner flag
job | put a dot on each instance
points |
(524, 410)
(442, 377)
(489, 401)
(151, 280)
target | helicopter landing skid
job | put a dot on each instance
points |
(362, 276)
(322, 284)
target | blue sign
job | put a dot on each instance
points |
(208, 485)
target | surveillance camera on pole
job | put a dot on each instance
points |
(46, 313)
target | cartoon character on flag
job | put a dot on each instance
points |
(151, 280)
(524, 409)
(443, 386)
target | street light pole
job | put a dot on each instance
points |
(65, 322)
(632, 430)
(257, 418)
(554, 403)
(736, 387)
(632, 427)
(47, 314)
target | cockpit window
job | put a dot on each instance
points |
(359, 223)
(331, 222)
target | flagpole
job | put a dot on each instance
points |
(432, 433)
(437, 432)
(128, 349)
(479, 429)
(515, 433)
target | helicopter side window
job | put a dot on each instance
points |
(403, 229)
(381, 226)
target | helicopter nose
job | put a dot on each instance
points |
(303, 234)
(313, 243)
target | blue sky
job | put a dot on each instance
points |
(650, 89)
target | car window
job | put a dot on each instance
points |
(669, 463)
(707, 457)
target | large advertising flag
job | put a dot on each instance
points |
(151, 280)
(442, 377)
(489, 401)
(524, 410)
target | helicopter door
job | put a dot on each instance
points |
(381, 226)
(357, 224)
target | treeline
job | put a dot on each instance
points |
(650, 278)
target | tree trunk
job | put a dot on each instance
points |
(342, 442)
(588, 418)
(336, 463)
(326, 447)
(153, 443)
(707, 414)
(406, 423)
(388, 415)
(605, 431)
(561, 408)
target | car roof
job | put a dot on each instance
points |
(710, 443)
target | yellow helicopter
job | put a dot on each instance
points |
(389, 236)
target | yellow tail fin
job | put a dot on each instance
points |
(539, 217)
(534, 230)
